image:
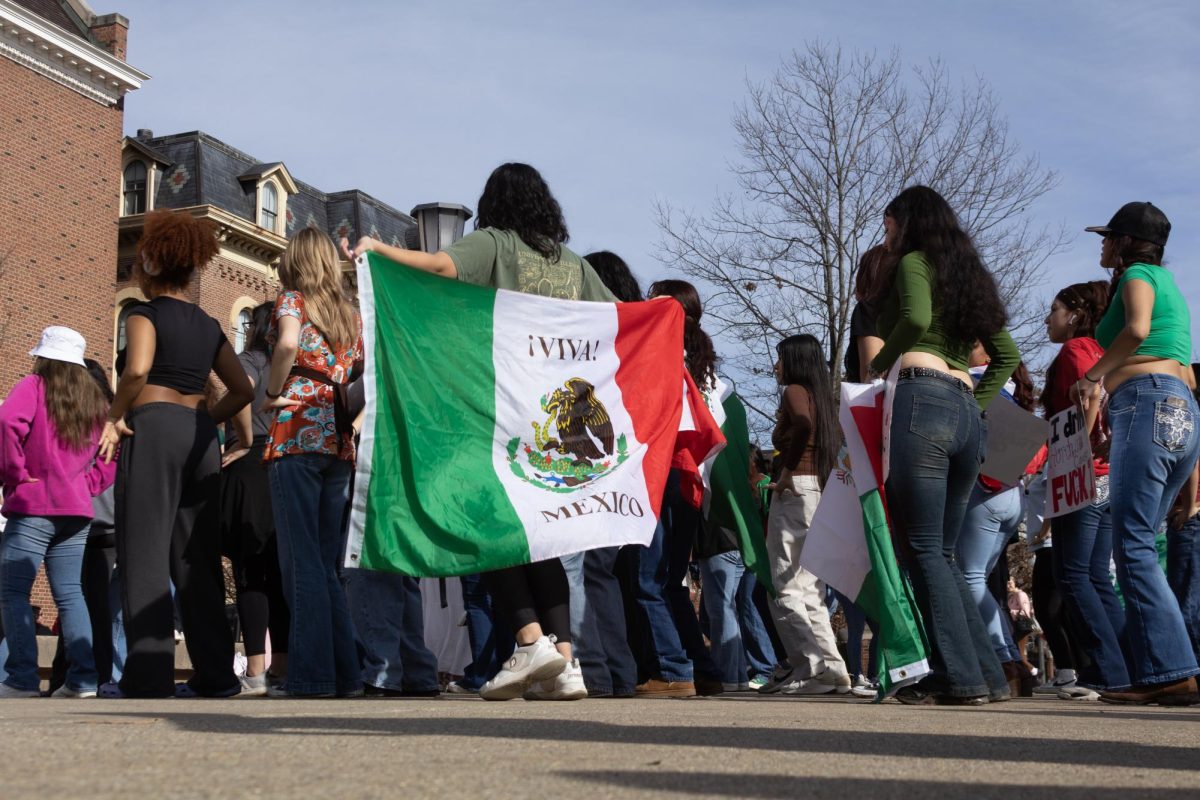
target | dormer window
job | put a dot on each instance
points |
(135, 188)
(269, 213)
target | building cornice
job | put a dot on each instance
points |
(68, 60)
(258, 245)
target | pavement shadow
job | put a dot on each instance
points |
(810, 788)
(863, 743)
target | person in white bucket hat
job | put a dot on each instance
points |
(50, 472)
(59, 343)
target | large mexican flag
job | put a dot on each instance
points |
(849, 545)
(503, 428)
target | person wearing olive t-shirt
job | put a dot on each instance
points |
(519, 246)
(1146, 336)
(940, 301)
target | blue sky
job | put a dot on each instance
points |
(623, 103)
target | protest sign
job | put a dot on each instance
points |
(1070, 474)
(1014, 437)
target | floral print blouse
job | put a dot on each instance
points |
(310, 427)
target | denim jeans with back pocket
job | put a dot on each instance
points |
(1154, 448)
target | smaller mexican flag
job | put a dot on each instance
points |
(503, 428)
(849, 545)
(732, 500)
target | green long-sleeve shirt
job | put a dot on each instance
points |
(908, 322)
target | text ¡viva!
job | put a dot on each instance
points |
(564, 349)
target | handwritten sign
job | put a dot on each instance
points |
(1014, 438)
(1070, 475)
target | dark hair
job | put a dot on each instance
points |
(100, 376)
(1133, 251)
(964, 290)
(802, 363)
(74, 402)
(1087, 301)
(516, 198)
(260, 325)
(176, 244)
(699, 354)
(1023, 396)
(762, 462)
(615, 275)
(874, 268)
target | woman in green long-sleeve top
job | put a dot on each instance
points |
(940, 300)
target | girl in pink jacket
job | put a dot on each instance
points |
(50, 426)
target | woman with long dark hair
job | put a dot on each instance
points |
(168, 476)
(247, 521)
(681, 664)
(807, 438)
(519, 244)
(1146, 333)
(874, 268)
(1081, 542)
(941, 299)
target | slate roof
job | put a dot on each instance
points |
(205, 170)
(58, 13)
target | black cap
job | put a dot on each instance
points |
(1139, 220)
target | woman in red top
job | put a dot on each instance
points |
(1082, 540)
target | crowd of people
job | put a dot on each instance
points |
(131, 498)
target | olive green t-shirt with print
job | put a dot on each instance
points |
(498, 258)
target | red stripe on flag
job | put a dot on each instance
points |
(650, 349)
(869, 421)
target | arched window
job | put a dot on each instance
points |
(121, 317)
(270, 207)
(243, 330)
(135, 188)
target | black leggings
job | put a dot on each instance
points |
(1050, 610)
(533, 593)
(260, 601)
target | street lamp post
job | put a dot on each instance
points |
(440, 225)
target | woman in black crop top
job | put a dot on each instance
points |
(168, 478)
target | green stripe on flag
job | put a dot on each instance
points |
(431, 470)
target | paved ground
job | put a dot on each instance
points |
(733, 746)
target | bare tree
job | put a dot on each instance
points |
(823, 146)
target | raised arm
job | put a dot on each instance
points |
(438, 263)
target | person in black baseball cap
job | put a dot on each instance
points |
(1144, 221)
(1155, 422)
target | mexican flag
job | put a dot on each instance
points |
(732, 500)
(849, 545)
(503, 428)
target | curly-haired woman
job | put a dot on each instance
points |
(519, 245)
(168, 476)
(940, 300)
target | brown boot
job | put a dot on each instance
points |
(656, 688)
(1175, 693)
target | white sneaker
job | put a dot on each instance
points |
(567, 685)
(253, 687)
(868, 690)
(780, 678)
(539, 661)
(7, 691)
(1063, 679)
(810, 686)
(76, 694)
(1077, 693)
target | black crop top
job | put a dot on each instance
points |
(186, 343)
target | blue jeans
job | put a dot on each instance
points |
(674, 631)
(741, 648)
(856, 623)
(1183, 573)
(309, 494)
(386, 610)
(1083, 547)
(598, 623)
(60, 542)
(1154, 448)
(938, 441)
(991, 520)
(760, 653)
(491, 640)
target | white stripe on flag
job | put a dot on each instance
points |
(366, 445)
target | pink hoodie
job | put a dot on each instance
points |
(66, 480)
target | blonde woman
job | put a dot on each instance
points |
(317, 340)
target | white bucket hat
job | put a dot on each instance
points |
(61, 344)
